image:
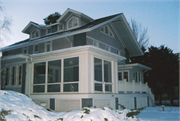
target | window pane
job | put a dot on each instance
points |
(108, 88)
(39, 73)
(54, 71)
(98, 87)
(71, 87)
(98, 69)
(120, 76)
(54, 28)
(54, 88)
(126, 76)
(38, 88)
(70, 23)
(107, 71)
(87, 102)
(71, 69)
(75, 21)
(52, 103)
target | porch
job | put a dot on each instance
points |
(134, 87)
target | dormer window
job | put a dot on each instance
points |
(106, 30)
(73, 22)
(35, 33)
(52, 29)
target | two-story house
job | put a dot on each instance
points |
(77, 62)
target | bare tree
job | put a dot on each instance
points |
(140, 34)
(5, 23)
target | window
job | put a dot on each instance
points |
(98, 69)
(12, 75)
(36, 48)
(98, 87)
(106, 30)
(87, 102)
(48, 46)
(25, 50)
(95, 43)
(54, 71)
(71, 87)
(49, 30)
(61, 27)
(73, 22)
(107, 71)
(54, 28)
(39, 77)
(107, 48)
(71, 69)
(102, 68)
(123, 75)
(47, 76)
(35, 33)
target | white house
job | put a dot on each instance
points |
(78, 62)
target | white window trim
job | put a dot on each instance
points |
(38, 33)
(47, 30)
(103, 82)
(46, 43)
(109, 31)
(78, 22)
(123, 75)
(24, 49)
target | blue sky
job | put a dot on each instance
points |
(160, 16)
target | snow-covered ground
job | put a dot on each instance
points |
(18, 107)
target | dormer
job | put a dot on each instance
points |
(73, 19)
(34, 30)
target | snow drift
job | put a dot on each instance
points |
(18, 107)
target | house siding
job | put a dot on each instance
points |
(115, 42)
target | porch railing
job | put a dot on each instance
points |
(135, 87)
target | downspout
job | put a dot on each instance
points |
(68, 41)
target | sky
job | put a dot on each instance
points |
(161, 17)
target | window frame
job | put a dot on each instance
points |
(72, 19)
(122, 72)
(46, 44)
(25, 48)
(103, 82)
(61, 83)
(37, 31)
(109, 31)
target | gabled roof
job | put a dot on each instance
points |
(117, 21)
(70, 11)
(30, 25)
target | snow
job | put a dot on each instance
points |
(157, 114)
(22, 108)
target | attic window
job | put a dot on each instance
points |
(35, 33)
(73, 22)
(61, 27)
(106, 30)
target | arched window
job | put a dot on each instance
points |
(73, 22)
(35, 33)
